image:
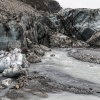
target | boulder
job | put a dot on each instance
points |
(44, 48)
(60, 40)
(14, 71)
(6, 82)
(13, 63)
(33, 58)
(94, 40)
(37, 50)
(63, 41)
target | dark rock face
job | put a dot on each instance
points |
(79, 23)
(50, 6)
(63, 41)
(94, 40)
(87, 33)
(74, 26)
(54, 6)
(26, 27)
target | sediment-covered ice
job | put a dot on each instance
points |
(12, 63)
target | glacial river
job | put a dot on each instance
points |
(58, 58)
(59, 66)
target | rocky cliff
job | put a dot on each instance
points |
(80, 22)
(26, 28)
(50, 6)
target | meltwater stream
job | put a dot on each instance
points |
(73, 67)
(59, 59)
(65, 70)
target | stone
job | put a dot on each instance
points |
(63, 41)
(6, 82)
(44, 48)
(60, 40)
(94, 40)
(33, 58)
(5, 98)
(39, 52)
(37, 49)
(79, 43)
(40, 94)
(1, 87)
(14, 71)
(17, 86)
(52, 55)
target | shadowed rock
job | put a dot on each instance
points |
(94, 40)
(50, 6)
